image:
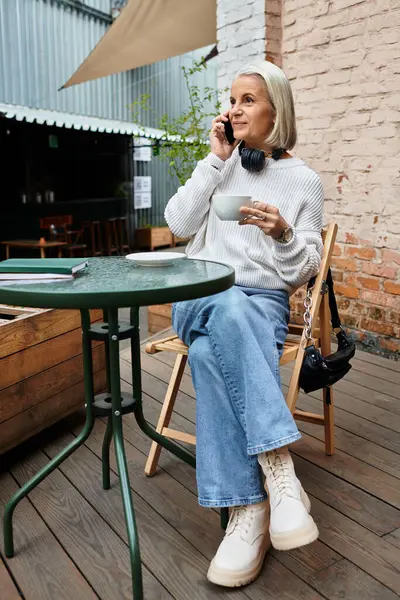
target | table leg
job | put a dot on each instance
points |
(57, 460)
(42, 253)
(105, 454)
(7, 251)
(116, 417)
(105, 461)
(148, 429)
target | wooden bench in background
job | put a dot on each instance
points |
(41, 374)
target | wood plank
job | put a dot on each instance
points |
(164, 551)
(18, 311)
(179, 436)
(26, 332)
(316, 554)
(378, 371)
(355, 442)
(350, 390)
(163, 310)
(41, 567)
(35, 359)
(20, 427)
(377, 398)
(375, 359)
(45, 384)
(167, 358)
(179, 507)
(155, 387)
(393, 538)
(352, 501)
(368, 511)
(350, 469)
(157, 322)
(359, 476)
(8, 588)
(344, 580)
(306, 562)
(151, 365)
(361, 547)
(383, 418)
(381, 445)
(383, 459)
(101, 555)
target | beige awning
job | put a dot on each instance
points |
(147, 31)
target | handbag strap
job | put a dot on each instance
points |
(343, 340)
(335, 319)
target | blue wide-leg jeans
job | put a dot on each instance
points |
(235, 340)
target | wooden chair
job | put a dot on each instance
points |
(293, 351)
(123, 230)
(94, 237)
(112, 237)
(60, 229)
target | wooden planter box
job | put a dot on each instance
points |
(153, 237)
(159, 317)
(177, 241)
(41, 372)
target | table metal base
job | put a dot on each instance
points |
(114, 405)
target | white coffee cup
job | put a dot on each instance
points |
(227, 207)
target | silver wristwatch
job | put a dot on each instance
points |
(285, 236)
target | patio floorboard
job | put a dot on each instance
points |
(70, 535)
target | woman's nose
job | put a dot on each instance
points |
(235, 110)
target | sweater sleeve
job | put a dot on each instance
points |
(299, 260)
(186, 211)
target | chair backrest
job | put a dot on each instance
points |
(320, 315)
(57, 221)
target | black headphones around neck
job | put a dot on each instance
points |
(254, 160)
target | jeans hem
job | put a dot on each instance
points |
(226, 502)
(252, 450)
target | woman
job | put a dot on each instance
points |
(235, 338)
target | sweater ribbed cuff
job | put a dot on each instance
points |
(282, 250)
(215, 161)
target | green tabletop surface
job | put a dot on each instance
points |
(118, 282)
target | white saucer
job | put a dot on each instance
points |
(155, 259)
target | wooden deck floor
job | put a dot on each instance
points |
(70, 534)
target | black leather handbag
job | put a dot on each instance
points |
(319, 371)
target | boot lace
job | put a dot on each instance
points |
(241, 519)
(280, 474)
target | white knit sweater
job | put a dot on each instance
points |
(259, 261)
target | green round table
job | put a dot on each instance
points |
(111, 283)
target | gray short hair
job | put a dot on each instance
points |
(283, 134)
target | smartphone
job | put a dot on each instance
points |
(229, 132)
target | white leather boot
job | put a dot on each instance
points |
(240, 556)
(291, 525)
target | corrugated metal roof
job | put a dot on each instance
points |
(73, 121)
(41, 44)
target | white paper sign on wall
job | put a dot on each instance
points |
(141, 183)
(142, 200)
(142, 150)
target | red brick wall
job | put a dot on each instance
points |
(343, 61)
(368, 292)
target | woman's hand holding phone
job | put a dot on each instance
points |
(219, 143)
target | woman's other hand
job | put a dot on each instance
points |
(218, 142)
(265, 217)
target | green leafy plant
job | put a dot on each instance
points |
(186, 136)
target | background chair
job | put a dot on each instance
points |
(59, 228)
(293, 351)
